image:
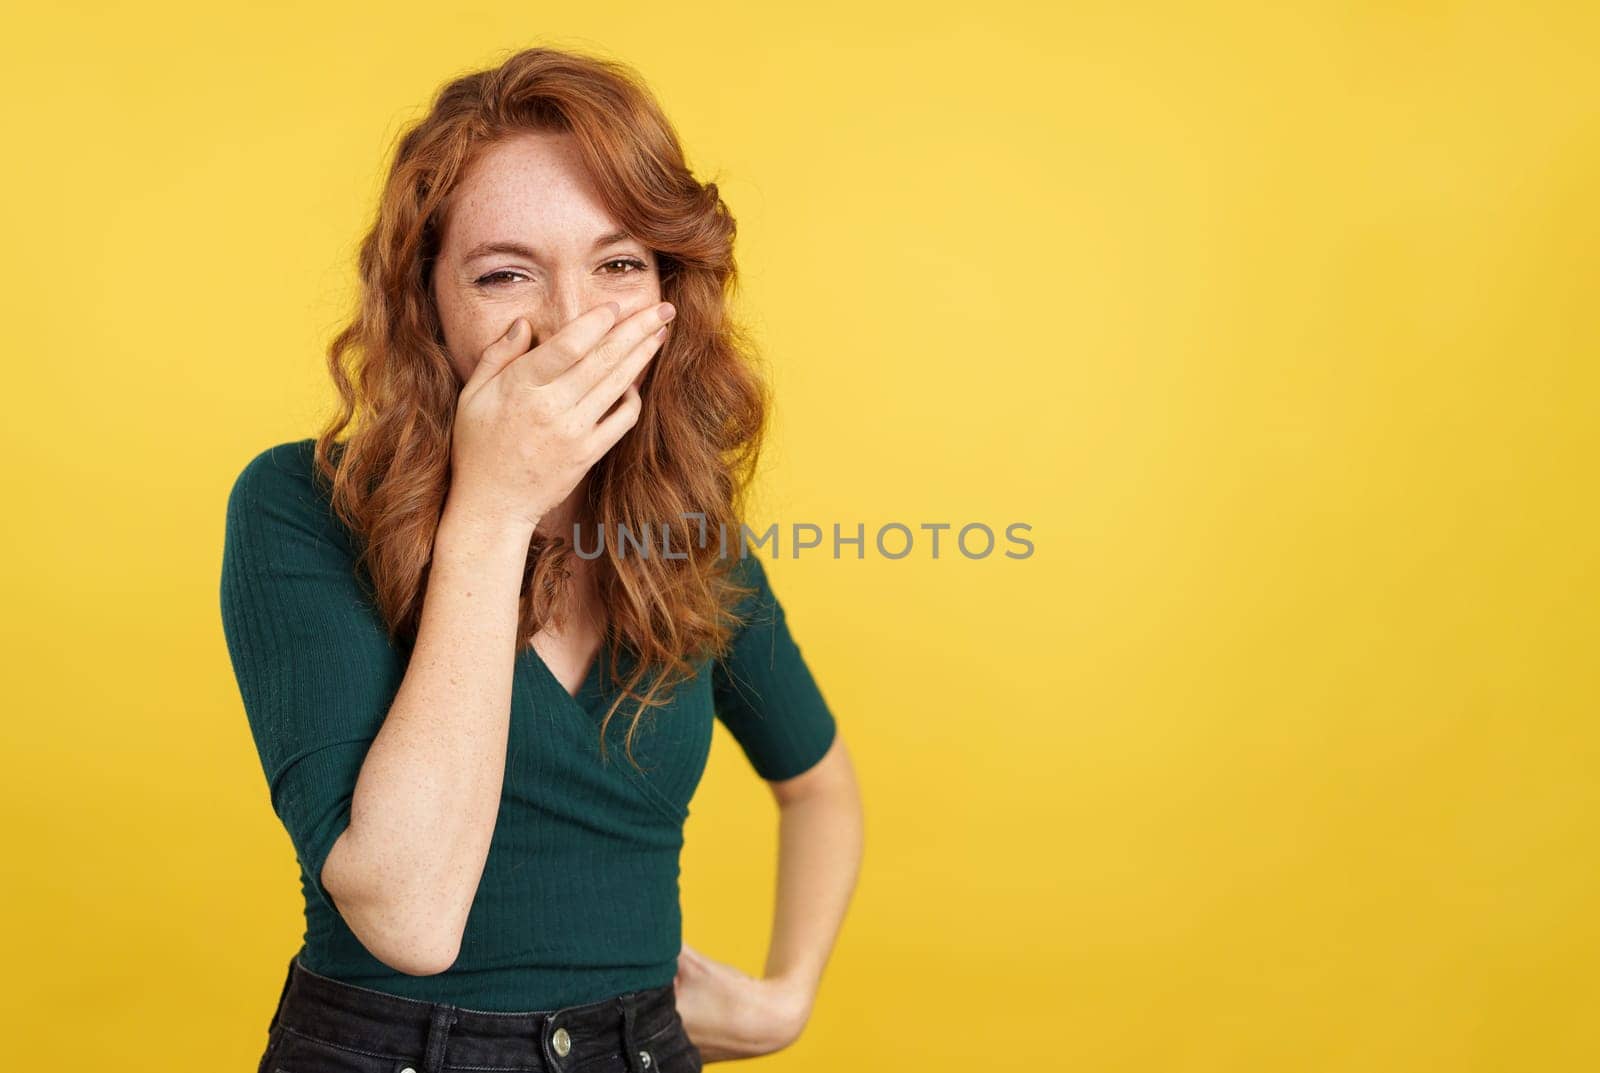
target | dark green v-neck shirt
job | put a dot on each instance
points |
(579, 895)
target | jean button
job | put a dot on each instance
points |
(644, 1059)
(562, 1042)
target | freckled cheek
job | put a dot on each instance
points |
(477, 319)
(467, 331)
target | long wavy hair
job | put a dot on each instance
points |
(698, 438)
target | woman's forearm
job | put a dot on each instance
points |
(821, 841)
(405, 872)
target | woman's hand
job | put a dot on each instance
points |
(731, 1014)
(530, 424)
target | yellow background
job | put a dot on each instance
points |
(1275, 322)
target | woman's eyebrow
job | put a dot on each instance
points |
(521, 249)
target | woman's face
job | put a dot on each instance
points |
(526, 236)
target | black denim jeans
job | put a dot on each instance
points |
(327, 1026)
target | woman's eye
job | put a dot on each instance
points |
(629, 265)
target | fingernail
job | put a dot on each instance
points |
(616, 309)
(665, 311)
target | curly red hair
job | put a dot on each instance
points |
(697, 439)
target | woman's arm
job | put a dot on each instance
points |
(384, 766)
(821, 841)
(730, 1014)
(768, 699)
(406, 870)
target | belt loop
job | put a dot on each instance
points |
(630, 1047)
(439, 1022)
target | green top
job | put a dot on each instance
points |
(579, 895)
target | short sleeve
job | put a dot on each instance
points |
(763, 690)
(314, 665)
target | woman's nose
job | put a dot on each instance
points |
(562, 311)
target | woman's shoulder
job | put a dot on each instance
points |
(280, 485)
(283, 467)
(756, 603)
(746, 567)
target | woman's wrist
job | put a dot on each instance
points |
(788, 1000)
(481, 525)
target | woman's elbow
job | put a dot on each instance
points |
(406, 938)
(831, 774)
(403, 929)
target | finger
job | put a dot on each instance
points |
(623, 416)
(617, 346)
(573, 340)
(512, 343)
(600, 397)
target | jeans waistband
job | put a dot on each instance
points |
(377, 1022)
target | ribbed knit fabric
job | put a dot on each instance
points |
(579, 895)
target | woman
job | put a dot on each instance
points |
(481, 640)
